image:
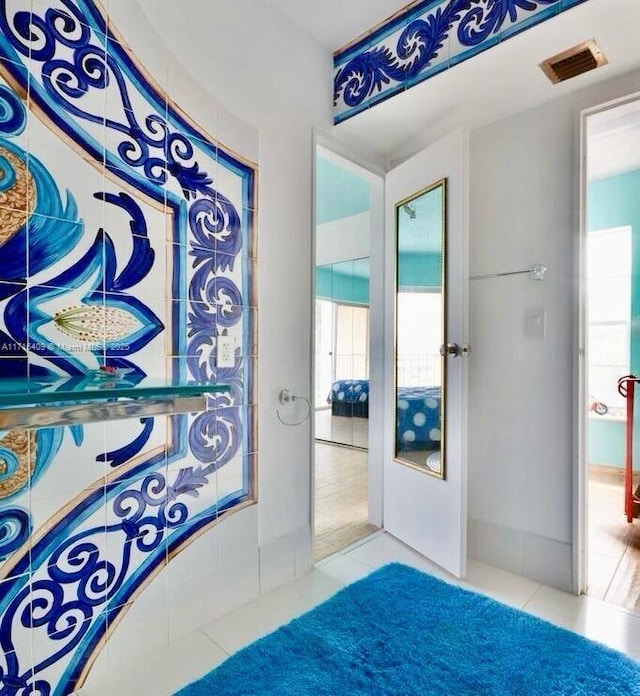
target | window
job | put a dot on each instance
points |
(324, 351)
(419, 362)
(342, 345)
(352, 342)
(609, 312)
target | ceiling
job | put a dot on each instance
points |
(502, 81)
(420, 224)
(333, 23)
(340, 192)
(613, 145)
(498, 83)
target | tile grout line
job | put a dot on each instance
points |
(535, 592)
(210, 639)
(356, 545)
(613, 575)
(606, 533)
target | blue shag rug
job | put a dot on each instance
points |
(400, 631)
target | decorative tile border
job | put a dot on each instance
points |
(424, 39)
(122, 223)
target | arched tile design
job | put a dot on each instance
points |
(126, 239)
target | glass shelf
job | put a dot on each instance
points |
(96, 387)
(97, 396)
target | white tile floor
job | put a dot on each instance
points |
(192, 657)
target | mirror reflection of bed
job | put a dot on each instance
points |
(341, 354)
(418, 434)
(348, 416)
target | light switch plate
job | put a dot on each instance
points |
(226, 356)
(535, 323)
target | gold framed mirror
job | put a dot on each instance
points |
(420, 330)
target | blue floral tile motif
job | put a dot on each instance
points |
(428, 37)
(140, 266)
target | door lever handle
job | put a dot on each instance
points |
(452, 350)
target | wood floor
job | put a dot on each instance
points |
(342, 489)
(614, 545)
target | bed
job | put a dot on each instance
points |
(418, 413)
(350, 398)
(418, 410)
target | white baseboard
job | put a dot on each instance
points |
(532, 556)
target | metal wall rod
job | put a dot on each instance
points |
(498, 275)
(535, 273)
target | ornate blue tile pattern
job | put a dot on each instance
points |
(426, 38)
(118, 247)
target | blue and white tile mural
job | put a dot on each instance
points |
(424, 39)
(126, 240)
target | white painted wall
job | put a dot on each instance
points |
(344, 239)
(524, 210)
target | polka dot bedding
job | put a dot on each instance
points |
(350, 397)
(418, 418)
(418, 411)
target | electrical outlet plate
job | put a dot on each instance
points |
(226, 356)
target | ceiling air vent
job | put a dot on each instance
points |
(577, 60)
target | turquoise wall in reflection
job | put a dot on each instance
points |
(343, 283)
(419, 271)
(339, 286)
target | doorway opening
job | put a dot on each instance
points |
(611, 252)
(342, 353)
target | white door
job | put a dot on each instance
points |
(427, 512)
